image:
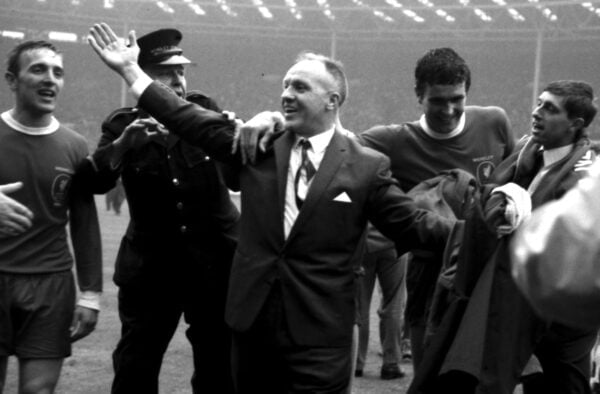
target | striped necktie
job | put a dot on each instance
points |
(307, 167)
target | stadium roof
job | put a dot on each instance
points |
(321, 19)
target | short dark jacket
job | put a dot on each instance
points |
(176, 195)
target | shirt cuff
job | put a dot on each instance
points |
(140, 85)
(518, 202)
(89, 299)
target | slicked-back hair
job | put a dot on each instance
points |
(333, 67)
(441, 66)
(578, 99)
(12, 62)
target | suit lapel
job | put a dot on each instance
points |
(333, 158)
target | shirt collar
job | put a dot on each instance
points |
(442, 136)
(13, 123)
(318, 142)
(552, 156)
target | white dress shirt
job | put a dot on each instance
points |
(316, 152)
(551, 156)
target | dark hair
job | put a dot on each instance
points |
(12, 62)
(333, 67)
(578, 99)
(441, 66)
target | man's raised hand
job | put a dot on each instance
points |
(114, 51)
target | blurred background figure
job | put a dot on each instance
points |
(381, 265)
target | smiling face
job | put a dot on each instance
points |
(309, 98)
(443, 105)
(38, 82)
(551, 126)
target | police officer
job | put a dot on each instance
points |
(175, 256)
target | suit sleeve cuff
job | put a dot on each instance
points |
(140, 85)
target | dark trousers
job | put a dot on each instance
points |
(417, 340)
(565, 356)
(150, 308)
(514, 332)
(266, 361)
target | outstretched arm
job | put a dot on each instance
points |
(210, 130)
(256, 134)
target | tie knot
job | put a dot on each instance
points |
(304, 144)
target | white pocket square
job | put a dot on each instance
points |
(342, 197)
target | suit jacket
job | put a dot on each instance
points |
(314, 265)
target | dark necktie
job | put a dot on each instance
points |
(306, 166)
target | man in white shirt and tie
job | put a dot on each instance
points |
(291, 300)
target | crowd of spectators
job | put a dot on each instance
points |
(244, 75)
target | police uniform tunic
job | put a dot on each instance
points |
(175, 256)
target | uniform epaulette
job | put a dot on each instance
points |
(125, 111)
(197, 97)
(194, 95)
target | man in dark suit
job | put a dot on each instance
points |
(305, 205)
(175, 257)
